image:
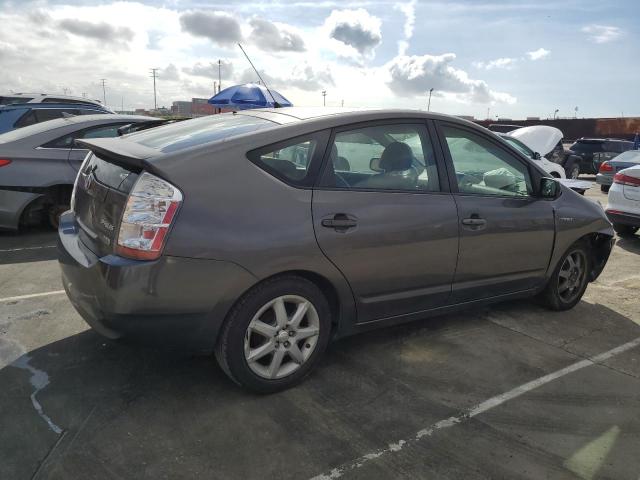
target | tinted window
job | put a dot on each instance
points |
(66, 100)
(103, 131)
(28, 118)
(289, 162)
(584, 147)
(191, 133)
(386, 157)
(484, 168)
(53, 113)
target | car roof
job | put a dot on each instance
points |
(50, 105)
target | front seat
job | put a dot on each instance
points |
(397, 161)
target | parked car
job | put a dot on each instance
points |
(19, 116)
(609, 168)
(213, 234)
(593, 151)
(623, 207)
(535, 142)
(19, 98)
(39, 163)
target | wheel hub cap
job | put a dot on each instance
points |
(283, 336)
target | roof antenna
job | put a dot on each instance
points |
(275, 104)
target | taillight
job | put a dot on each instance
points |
(605, 167)
(151, 208)
(4, 162)
(627, 180)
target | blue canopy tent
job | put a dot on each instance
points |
(249, 95)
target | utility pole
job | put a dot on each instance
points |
(84, 94)
(576, 114)
(342, 104)
(154, 74)
(122, 104)
(488, 113)
(324, 98)
(219, 75)
(429, 104)
(104, 92)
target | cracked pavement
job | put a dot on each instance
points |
(134, 413)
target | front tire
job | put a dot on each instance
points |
(569, 280)
(624, 230)
(275, 334)
(605, 188)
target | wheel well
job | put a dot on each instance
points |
(600, 246)
(35, 211)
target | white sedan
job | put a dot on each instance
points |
(536, 142)
(623, 209)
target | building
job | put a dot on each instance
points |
(197, 107)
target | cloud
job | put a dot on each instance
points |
(210, 70)
(602, 33)
(98, 31)
(538, 54)
(505, 63)
(218, 27)
(409, 11)
(169, 73)
(416, 74)
(269, 37)
(357, 29)
(303, 77)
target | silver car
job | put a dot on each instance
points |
(609, 168)
(39, 163)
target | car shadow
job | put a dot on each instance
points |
(629, 243)
(124, 409)
(33, 244)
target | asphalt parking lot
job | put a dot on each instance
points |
(509, 391)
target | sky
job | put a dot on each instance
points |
(489, 59)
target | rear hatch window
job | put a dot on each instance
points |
(191, 133)
(587, 147)
(100, 198)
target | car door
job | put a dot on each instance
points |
(384, 216)
(506, 233)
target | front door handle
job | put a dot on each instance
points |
(339, 221)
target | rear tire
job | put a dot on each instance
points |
(575, 172)
(569, 280)
(624, 230)
(275, 334)
(605, 188)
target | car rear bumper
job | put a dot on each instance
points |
(172, 302)
(602, 179)
(623, 218)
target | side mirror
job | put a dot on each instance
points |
(549, 188)
(536, 156)
(374, 164)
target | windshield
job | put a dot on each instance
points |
(587, 147)
(519, 146)
(191, 133)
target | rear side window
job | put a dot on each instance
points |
(293, 161)
(103, 131)
(14, 100)
(27, 119)
(198, 131)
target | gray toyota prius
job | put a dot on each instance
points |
(261, 235)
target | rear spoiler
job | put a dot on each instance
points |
(130, 155)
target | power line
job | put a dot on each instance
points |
(154, 74)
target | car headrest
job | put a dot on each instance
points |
(397, 156)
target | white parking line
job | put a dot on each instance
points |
(26, 248)
(477, 410)
(31, 295)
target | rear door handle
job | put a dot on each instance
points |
(339, 221)
(474, 222)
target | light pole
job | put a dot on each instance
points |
(324, 98)
(429, 103)
(154, 75)
(104, 92)
(555, 113)
(576, 114)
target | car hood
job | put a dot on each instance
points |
(539, 138)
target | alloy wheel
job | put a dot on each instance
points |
(571, 276)
(281, 336)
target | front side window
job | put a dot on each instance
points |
(483, 168)
(384, 157)
(288, 161)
